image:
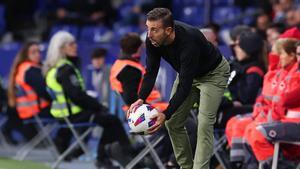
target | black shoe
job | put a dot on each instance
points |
(60, 145)
(123, 155)
(8, 138)
(74, 154)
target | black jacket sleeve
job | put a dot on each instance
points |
(36, 80)
(130, 79)
(66, 76)
(152, 67)
(186, 76)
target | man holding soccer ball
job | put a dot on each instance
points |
(202, 76)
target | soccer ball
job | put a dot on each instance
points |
(139, 119)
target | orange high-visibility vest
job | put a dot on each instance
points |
(116, 85)
(27, 101)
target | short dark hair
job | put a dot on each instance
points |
(237, 31)
(98, 53)
(161, 13)
(130, 43)
(214, 26)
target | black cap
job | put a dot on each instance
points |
(251, 43)
(237, 30)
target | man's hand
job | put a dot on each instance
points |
(136, 103)
(160, 120)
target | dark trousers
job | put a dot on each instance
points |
(28, 130)
(113, 131)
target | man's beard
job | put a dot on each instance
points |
(156, 44)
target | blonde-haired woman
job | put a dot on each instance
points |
(70, 99)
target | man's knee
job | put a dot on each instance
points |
(173, 125)
(205, 121)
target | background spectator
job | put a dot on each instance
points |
(97, 76)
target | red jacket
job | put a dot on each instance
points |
(275, 83)
(288, 107)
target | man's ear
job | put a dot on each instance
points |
(169, 30)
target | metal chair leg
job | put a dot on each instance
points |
(260, 165)
(27, 148)
(71, 147)
(217, 146)
(153, 153)
(143, 153)
(48, 138)
(275, 155)
(75, 134)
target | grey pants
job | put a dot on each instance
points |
(209, 89)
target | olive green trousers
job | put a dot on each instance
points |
(207, 91)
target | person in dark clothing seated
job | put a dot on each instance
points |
(249, 68)
(126, 76)
(13, 122)
(127, 73)
(65, 81)
(247, 73)
(97, 76)
(27, 89)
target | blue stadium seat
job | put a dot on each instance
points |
(192, 15)
(44, 48)
(178, 4)
(94, 34)
(74, 30)
(8, 52)
(223, 14)
(2, 19)
(41, 5)
(124, 11)
(63, 2)
(125, 29)
(120, 31)
(223, 2)
(85, 49)
(226, 51)
(192, 2)
(250, 11)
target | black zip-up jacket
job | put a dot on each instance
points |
(35, 79)
(130, 78)
(66, 76)
(190, 54)
(245, 86)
